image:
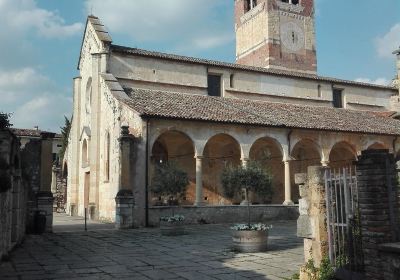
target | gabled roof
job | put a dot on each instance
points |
(180, 106)
(100, 30)
(179, 58)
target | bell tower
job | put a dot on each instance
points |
(276, 34)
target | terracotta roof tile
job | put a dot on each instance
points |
(171, 105)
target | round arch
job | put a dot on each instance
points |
(173, 145)
(220, 150)
(342, 154)
(269, 152)
(377, 146)
(305, 153)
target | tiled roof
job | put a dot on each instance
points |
(141, 52)
(171, 105)
(23, 132)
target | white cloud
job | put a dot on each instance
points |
(186, 23)
(33, 99)
(389, 42)
(22, 16)
(379, 81)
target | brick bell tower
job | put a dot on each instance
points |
(276, 34)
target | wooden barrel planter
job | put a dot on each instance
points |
(173, 228)
(250, 241)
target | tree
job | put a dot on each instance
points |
(169, 180)
(252, 177)
(64, 137)
(5, 120)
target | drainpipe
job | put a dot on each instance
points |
(147, 176)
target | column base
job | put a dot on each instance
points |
(199, 203)
(288, 203)
(124, 210)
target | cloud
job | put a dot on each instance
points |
(379, 81)
(23, 16)
(389, 42)
(189, 23)
(33, 99)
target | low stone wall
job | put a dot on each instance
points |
(225, 214)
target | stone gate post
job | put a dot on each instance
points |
(379, 214)
(312, 224)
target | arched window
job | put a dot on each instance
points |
(88, 95)
(85, 156)
(107, 158)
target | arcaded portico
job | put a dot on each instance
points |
(203, 149)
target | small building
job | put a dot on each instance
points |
(270, 106)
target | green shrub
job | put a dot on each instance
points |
(169, 180)
(5, 120)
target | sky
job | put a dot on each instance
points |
(40, 42)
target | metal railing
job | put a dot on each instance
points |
(343, 219)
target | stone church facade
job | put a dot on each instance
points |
(135, 108)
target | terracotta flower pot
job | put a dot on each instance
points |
(172, 228)
(250, 241)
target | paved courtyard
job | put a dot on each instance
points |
(204, 253)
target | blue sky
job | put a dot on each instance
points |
(40, 42)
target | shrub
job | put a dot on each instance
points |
(5, 120)
(253, 178)
(169, 180)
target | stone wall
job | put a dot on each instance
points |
(379, 213)
(225, 214)
(13, 194)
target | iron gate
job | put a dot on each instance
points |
(343, 219)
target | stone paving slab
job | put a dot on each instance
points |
(203, 253)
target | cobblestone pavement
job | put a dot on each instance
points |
(204, 253)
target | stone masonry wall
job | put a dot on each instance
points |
(12, 194)
(379, 212)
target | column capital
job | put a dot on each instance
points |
(325, 163)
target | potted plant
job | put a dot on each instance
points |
(171, 182)
(248, 237)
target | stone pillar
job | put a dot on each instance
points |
(378, 206)
(199, 181)
(125, 200)
(314, 229)
(245, 161)
(44, 196)
(288, 185)
(124, 209)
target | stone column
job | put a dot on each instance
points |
(199, 181)
(288, 185)
(44, 196)
(245, 161)
(125, 200)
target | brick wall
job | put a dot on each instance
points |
(379, 212)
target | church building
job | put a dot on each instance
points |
(135, 108)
